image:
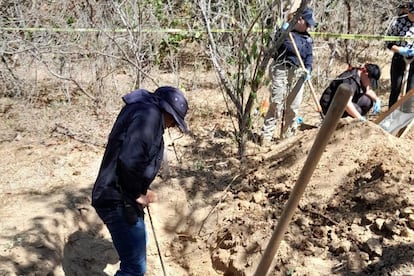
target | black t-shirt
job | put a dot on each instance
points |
(349, 77)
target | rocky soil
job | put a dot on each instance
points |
(215, 215)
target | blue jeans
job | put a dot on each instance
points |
(130, 241)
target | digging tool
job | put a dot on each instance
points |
(333, 115)
(406, 129)
(287, 117)
(315, 99)
(393, 121)
(405, 76)
(400, 102)
(156, 242)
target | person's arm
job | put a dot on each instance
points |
(371, 93)
(399, 50)
(376, 100)
(351, 110)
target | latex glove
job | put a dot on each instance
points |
(410, 52)
(308, 75)
(285, 25)
(377, 107)
(404, 51)
(362, 119)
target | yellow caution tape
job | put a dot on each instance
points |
(92, 30)
(360, 36)
(313, 34)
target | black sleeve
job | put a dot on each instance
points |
(135, 154)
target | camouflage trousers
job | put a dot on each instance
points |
(281, 112)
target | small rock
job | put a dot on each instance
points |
(259, 197)
(260, 176)
(303, 222)
(374, 247)
(242, 195)
(355, 228)
(220, 259)
(379, 223)
(5, 105)
(407, 211)
(397, 213)
(236, 265)
(343, 247)
(357, 220)
(244, 205)
(371, 197)
(390, 226)
(364, 256)
(407, 232)
(411, 220)
(369, 218)
(356, 261)
(333, 236)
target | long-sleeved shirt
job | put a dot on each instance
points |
(133, 153)
(402, 27)
(304, 44)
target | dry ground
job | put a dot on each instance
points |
(355, 218)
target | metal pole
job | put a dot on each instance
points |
(156, 242)
(328, 126)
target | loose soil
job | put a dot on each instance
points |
(215, 215)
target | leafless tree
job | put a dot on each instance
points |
(240, 56)
(121, 36)
(109, 37)
(353, 17)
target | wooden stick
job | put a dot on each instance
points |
(394, 106)
(405, 76)
(406, 129)
(315, 99)
(295, 5)
(335, 112)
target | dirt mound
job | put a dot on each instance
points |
(353, 216)
(214, 215)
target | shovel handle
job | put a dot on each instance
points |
(405, 76)
(333, 115)
(315, 99)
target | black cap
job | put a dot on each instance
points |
(172, 100)
(374, 73)
(411, 7)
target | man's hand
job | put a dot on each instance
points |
(145, 200)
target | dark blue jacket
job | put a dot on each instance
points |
(304, 43)
(133, 153)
